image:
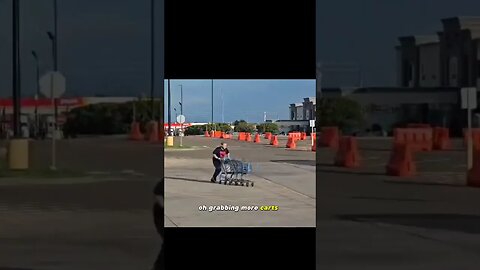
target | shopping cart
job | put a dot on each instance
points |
(233, 172)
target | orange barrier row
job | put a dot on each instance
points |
(420, 139)
(330, 137)
(401, 161)
(347, 154)
(303, 136)
(295, 135)
(418, 125)
(241, 136)
(441, 138)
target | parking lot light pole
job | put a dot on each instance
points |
(16, 67)
(37, 94)
(169, 110)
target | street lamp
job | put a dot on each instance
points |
(152, 58)
(37, 95)
(181, 99)
(169, 110)
(16, 67)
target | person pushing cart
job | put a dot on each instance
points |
(220, 153)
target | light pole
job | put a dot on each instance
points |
(16, 67)
(212, 106)
(152, 58)
(37, 94)
(181, 99)
(169, 111)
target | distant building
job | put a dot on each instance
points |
(303, 111)
(451, 58)
(389, 107)
(300, 114)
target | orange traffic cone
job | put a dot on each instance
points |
(314, 146)
(347, 154)
(135, 133)
(212, 134)
(291, 143)
(248, 138)
(257, 138)
(401, 161)
(207, 134)
(274, 140)
(153, 135)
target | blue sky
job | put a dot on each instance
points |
(242, 99)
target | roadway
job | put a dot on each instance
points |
(283, 178)
(367, 220)
(100, 221)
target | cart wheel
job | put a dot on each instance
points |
(252, 184)
(243, 184)
(236, 183)
(247, 184)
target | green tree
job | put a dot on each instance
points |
(107, 118)
(224, 127)
(244, 127)
(238, 122)
(342, 112)
(267, 127)
(194, 130)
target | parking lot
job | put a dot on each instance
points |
(99, 221)
(367, 220)
(284, 178)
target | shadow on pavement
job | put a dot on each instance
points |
(387, 199)
(400, 182)
(189, 180)
(348, 172)
(451, 222)
(296, 162)
(13, 268)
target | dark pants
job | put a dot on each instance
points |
(218, 168)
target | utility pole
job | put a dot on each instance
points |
(16, 95)
(223, 116)
(212, 101)
(55, 60)
(169, 111)
(152, 58)
(37, 94)
(181, 99)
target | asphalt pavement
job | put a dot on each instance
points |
(367, 220)
(100, 221)
(283, 178)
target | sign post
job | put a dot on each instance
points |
(469, 102)
(52, 85)
(181, 120)
(312, 125)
